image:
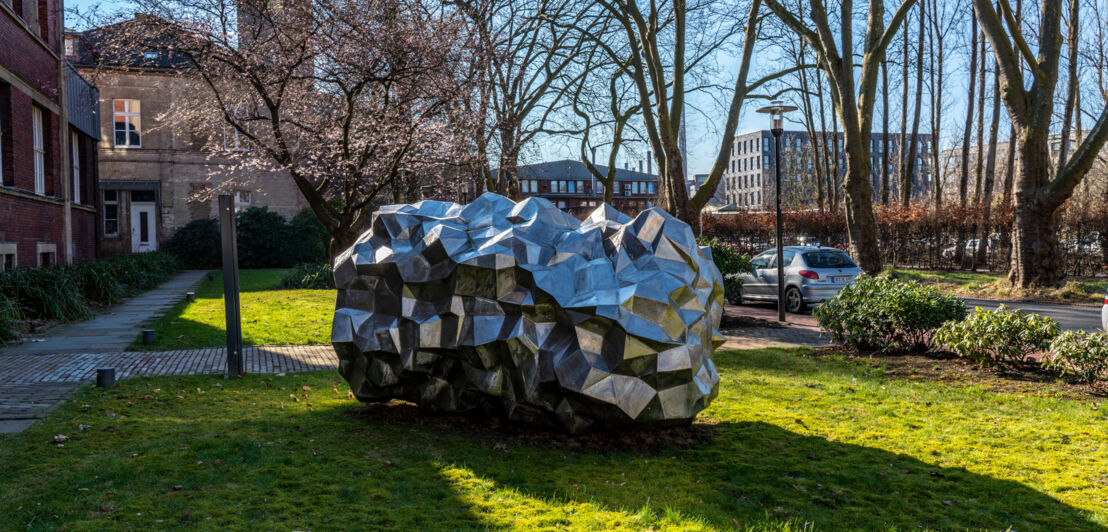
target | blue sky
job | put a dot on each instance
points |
(702, 127)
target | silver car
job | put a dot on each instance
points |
(812, 275)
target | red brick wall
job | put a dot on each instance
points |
(23, 54)
(27, 222)
(84, 235)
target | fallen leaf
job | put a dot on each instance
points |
(60, 438)
(306, 388)
(178, 487)
(83, 427)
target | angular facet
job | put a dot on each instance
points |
(521, 310)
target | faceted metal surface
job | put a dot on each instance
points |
(521, 310)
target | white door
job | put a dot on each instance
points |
(143, 235)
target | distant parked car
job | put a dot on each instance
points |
(971, 247)
(1104, 313)
(812, 275)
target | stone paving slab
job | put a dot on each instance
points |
(116, 327)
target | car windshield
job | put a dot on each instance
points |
(828, 259)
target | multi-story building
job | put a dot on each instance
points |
(748, 181)
(718, 199)
(47, 164)
(157, 173)
(569, 185)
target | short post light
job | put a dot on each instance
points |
(776, 112)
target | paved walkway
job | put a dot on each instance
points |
(32, 384)
(113, 329)
(799, 330)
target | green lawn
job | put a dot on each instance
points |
(798, 443)
(1079, 290)
(269, 317)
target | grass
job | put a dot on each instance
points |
(1076, 290)
(799, 443)
(269, 317)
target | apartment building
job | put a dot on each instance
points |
(748, 181)
(569, 185)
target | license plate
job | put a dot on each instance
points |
(838, 279)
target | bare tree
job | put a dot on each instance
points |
(856, 119)
(659, 64)
(526, 58)
(1037, 194)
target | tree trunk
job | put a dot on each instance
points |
(980, 154)
(990, 169)
(860, 222)
(1071, 84)
(910, 169)
(963, 178)
(884, 133)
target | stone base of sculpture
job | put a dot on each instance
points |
(521, 310)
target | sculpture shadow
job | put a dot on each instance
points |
(755, 473)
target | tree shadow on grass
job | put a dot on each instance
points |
(754, 472)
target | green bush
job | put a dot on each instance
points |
(731, 264)
(196, 245)
(1080, 353)
(65, 293)
(265, 240)
(1001, 336)
(10, 319)
(887, 315)
(312, 240)
(309, 276)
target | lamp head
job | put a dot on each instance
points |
(776, 111)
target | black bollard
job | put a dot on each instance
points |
(147, 336)
(105, 377)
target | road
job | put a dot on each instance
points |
(1067, 316)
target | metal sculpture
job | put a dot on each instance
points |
(521, 310)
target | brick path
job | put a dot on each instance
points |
(801, 329)
(30, 385)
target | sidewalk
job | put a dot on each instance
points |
(31, 384)
(116, 327)
(800, 329)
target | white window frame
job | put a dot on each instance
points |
(73, 147)
(39, 143)
(243, 200)
(126, 113)
(9, 249)
(104, 218)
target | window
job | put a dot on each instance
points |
(242, 200)
(111, 212)
(47, 253)
(572, 187)
(69, 46)
(8, 259)
(128, 123)
(40, 151)
(74, 145)
(650, 188)
(765, 160)
(150, 55)
(765, 145)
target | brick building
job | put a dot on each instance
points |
(157, 174)
(47, 164)
(569, 185)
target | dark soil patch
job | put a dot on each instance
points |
(651, 440)
(946, 367)
(731, 321)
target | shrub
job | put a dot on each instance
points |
(1080, 353)
(731, 263)
(309, 276)
(10, 319)
(1001, 336)
(196, 245)
(65, 293)
(886, 315)
(265, 240)
(312, 240)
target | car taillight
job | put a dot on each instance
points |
(809, 274)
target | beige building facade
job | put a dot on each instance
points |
(156, 174)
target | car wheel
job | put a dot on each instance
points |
(794, 301)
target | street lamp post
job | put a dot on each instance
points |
(777, 118)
